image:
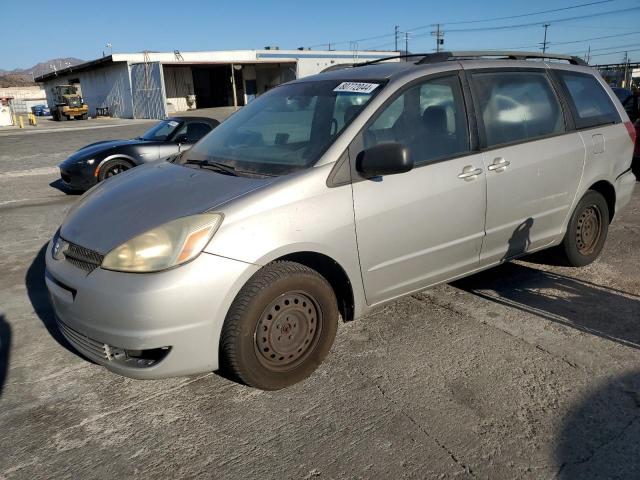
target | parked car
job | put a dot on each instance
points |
(40, 110)
(330, 195)
(95, 162)
(629, 101)
(635, 166)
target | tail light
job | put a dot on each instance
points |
(632, 131)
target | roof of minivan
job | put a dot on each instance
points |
(389, 69)
(378, 71)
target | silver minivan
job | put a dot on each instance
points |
(331, 195)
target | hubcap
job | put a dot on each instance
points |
(588, 230)
(287, 331)
(115, 170)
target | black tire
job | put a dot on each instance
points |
(587, 230)
(113, 167)
(282, 297)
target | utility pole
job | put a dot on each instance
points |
(626, 69)
(396, 31)
(544, 42)
(406, 43)
(588, 56)
(439, 34)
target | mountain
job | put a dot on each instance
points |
(18, 80)
(27, 74)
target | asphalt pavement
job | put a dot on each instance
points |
(528, 370)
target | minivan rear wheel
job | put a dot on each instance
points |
(280, 327)
(587, 230)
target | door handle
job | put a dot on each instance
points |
(499, 165)
(469, 173)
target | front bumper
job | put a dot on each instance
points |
(106, 312)
(78, 176)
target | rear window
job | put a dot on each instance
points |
(591, 103)
(517, 106)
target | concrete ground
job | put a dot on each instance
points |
(48, 124)
(524, 371)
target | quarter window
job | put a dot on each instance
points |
(591, 103)
(429, 118)
(517, 106)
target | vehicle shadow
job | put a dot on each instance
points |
(39, 298)
(520, 240)
(59, 185)
(5, 345)
(600, 437)
(603, 311)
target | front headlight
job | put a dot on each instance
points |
(171, 244)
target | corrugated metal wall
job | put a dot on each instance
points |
(147, 87)
(178, 82)
(106, 86)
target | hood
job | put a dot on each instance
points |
(97, 148)
(145, 197)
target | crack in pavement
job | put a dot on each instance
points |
(419, 426)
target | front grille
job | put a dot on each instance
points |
(74, 102)
(85, 345)
(83, 258)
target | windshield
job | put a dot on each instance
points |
(68, 90)
(161, 131)
(286, 129)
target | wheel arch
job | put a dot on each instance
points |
(118, 156)
(334, 273)
(604, 188)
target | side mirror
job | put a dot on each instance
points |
(384, 159)
(181, 138)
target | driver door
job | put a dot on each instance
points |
(424, 226)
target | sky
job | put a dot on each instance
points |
(82, 29)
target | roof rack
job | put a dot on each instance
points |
(471, 54)
(503, 54)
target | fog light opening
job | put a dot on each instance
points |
(143, 358)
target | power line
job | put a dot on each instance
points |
(613, 53)
(557, 20)
(530, 14)
(594, 38)
(501, 27)
(607, 48)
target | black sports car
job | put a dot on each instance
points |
(95, 162)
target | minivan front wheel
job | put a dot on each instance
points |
(587, 230)
(280, 327)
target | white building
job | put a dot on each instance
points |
(155, 85)
(23, 98)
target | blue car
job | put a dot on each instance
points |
(40, 110)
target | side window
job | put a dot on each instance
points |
(517, 106)
(429, 118)
(196, 130)
(591, 103)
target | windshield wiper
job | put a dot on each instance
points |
(220, 167)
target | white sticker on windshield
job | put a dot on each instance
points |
(173, 123)
(356, 87)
